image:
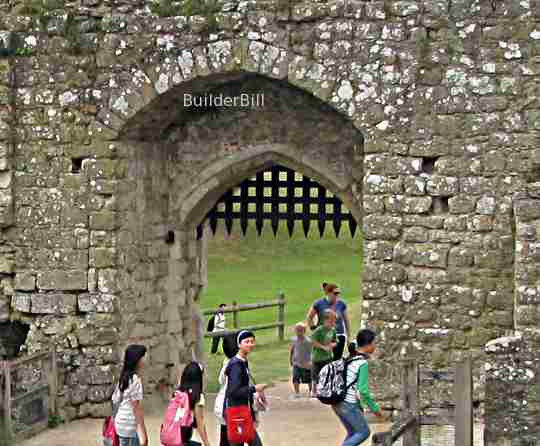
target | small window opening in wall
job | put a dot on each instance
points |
(440, 205)
(169, 238)
(76, 165)
(428, 164)
(12, 338)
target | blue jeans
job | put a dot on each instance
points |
(129, 441)
(352, 417)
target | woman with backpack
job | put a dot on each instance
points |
(239, 406)
(192, 384)
(128, 395)
(350, 411)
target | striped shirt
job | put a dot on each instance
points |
(125, 422)
(353, 374)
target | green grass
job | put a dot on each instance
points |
(254, 269)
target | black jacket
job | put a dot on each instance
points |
(239, 390)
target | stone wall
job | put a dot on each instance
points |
(422, 116)
(512, 392)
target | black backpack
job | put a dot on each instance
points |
(331, 388)
(211, 324)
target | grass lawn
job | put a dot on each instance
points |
(254, 269)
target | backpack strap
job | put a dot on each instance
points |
(350, 361)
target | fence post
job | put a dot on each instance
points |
(281, 317)
(53, 381)
(409, 379)
(7, 401)
(463, 393)
(235, 315)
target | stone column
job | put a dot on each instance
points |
(512, 401)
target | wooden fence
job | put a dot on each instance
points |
(9, 401)
(408, 426)
(235, 309)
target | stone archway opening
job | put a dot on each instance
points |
(181, 160)
(252, 263)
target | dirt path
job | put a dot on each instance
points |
(288, 422)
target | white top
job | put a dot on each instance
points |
(352, 375)
(219, 322)
(125, 422)
(220, 398)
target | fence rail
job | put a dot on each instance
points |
(235, 309)
(7, 368)
(408, 426)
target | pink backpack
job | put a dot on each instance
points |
(177, 416)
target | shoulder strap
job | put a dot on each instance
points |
(116, 407)
(350, 361)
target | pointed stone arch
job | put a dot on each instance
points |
(128, 116)
(140, 88)
(216, 179)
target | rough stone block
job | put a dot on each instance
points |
(99, 303)
(62, 280)
(408, 205)
(528, 315)
(91, 336)
(379, 184)
(97, 394)
(486, 206)
(500, 300)
(99, 410)
(103, 220)
(459, 256)
(455, 223)
(53, 303)
(382, 227)
(21, 302)
(373, 290)
(528, 210)
(25, 281)
(4, 308)
(78, 394)
(102, 257)
(6, 177)
(442, 186)
(386, 273)
(415, 234)
(107, 281)
(480, 223)
(7, 263)
(414, 185)
(430, 255)
(425, 222)
(378, 250)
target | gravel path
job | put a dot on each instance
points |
(287, 423)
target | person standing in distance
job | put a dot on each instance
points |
(332, 302)
(219, 325)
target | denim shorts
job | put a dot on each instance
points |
(129, 441)
(301, 376)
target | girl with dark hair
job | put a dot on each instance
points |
(230, 348)
(192, 383)
(128, 394)
(240, 386)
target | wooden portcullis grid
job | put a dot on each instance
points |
(279, 194)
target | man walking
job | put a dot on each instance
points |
(219, 325)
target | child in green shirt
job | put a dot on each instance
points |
(324, 340)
